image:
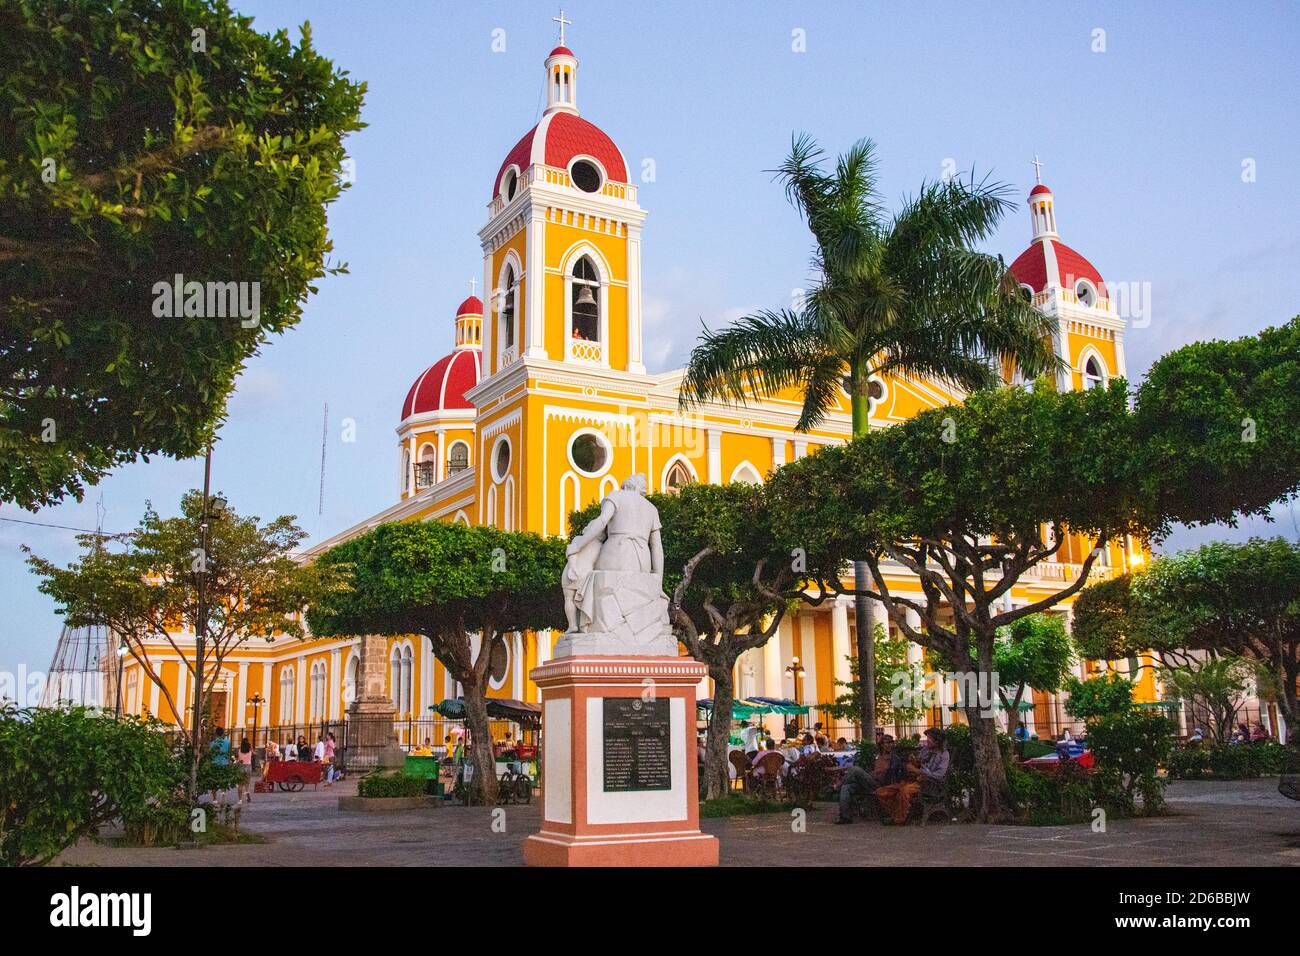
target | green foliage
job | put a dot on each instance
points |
(390, 785)
(218, 164)
(1062, 796)
(1235, 600)
(66, 773)
(1214, 686)
(1215, 427)
(895, 679)
(736, 804)
(900, 294)
(1099, 696)
(146, 590)
(1130, 747)
(424, 577)
(1230, 762)
(1034, 651)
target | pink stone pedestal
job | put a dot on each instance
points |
(582, 823)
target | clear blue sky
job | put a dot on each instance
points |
(1143, 145)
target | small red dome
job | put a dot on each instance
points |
(1038, 191)
(444, 384)
(558, 138)
(561, 51)
(1051, 259)
(471, 306)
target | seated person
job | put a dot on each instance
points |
(886, 769)
(809, 746)
(756, 763)
(929, 775)
(1258, 734)
(841, 745)
(1021, 733)
(791, 751)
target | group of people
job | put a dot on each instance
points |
(322, 752)
(1244, 734)
(895, 781)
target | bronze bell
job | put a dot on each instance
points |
(585, 298)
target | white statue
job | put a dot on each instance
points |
(613, 581)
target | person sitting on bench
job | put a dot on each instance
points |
(858, 783)
(928, 777)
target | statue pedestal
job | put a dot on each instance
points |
(620, 783)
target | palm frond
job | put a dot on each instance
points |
(759, 354)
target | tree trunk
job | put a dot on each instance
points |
(476, 716)
(866, 640)
(719, 737)
(992, 793)
(860, 407)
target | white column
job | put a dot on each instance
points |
(300, 691)
(840, 643)
(489, 335)
(334, 686)
(241, 696)
(808, 644)
(184, 695)
(517, 656)
(635, 363)
(545, 646)
(154, 696)
(785, 640)
(715, 456)
(772, 677)
(534, 274)
(800, 448)
(778, 452)
(266, 693)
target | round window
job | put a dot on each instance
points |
(501, 460)
(585, 176)
(876, 389)
(590, 454)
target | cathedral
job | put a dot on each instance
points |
(545, 404)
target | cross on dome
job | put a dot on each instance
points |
(1038, 170)
(563, 23)
(473, 285)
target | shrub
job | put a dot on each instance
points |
(64, 773)
(1129, 749)
(1221, 762)
(390, 785)
(1098, 696)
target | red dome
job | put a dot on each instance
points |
(444, 384)
(471, 306)
(1050, 258)
(1038, 190)
(558, 138)
(560, 51)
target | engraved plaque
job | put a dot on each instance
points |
(637, 737)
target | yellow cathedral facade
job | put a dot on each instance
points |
(545, 405)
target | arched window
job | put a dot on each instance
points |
(746, 474)
(585, 298)
(318, 688)
(286, 694)
(1093, 377)
(508, 310)
(351, 678)
(679, 476)
(426, 471)
(395, 677)
(457, 458)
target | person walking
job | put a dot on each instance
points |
(220, 751)
(245, 758)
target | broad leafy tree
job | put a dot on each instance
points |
(145, 589)
(1034, 651)
(465, 589)
(969, 500)
(142, 140)
(1237, 600)
(899, 683)
(905, 293)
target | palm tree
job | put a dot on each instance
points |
(906, 294)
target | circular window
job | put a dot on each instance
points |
(876, 389)
(1086, 293)
(501, 459)
(589, 453)
(585, 176)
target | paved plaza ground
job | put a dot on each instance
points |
(1244, 823)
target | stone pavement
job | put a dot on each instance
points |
(1244, 823)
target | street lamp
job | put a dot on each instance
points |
(121, 659)
(214, 507)
(795, 670)
(256, 703)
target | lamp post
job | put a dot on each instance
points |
(795, 670)
(121, 657)
(256, 703)
(213, 508)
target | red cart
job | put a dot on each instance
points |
(293, 775)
